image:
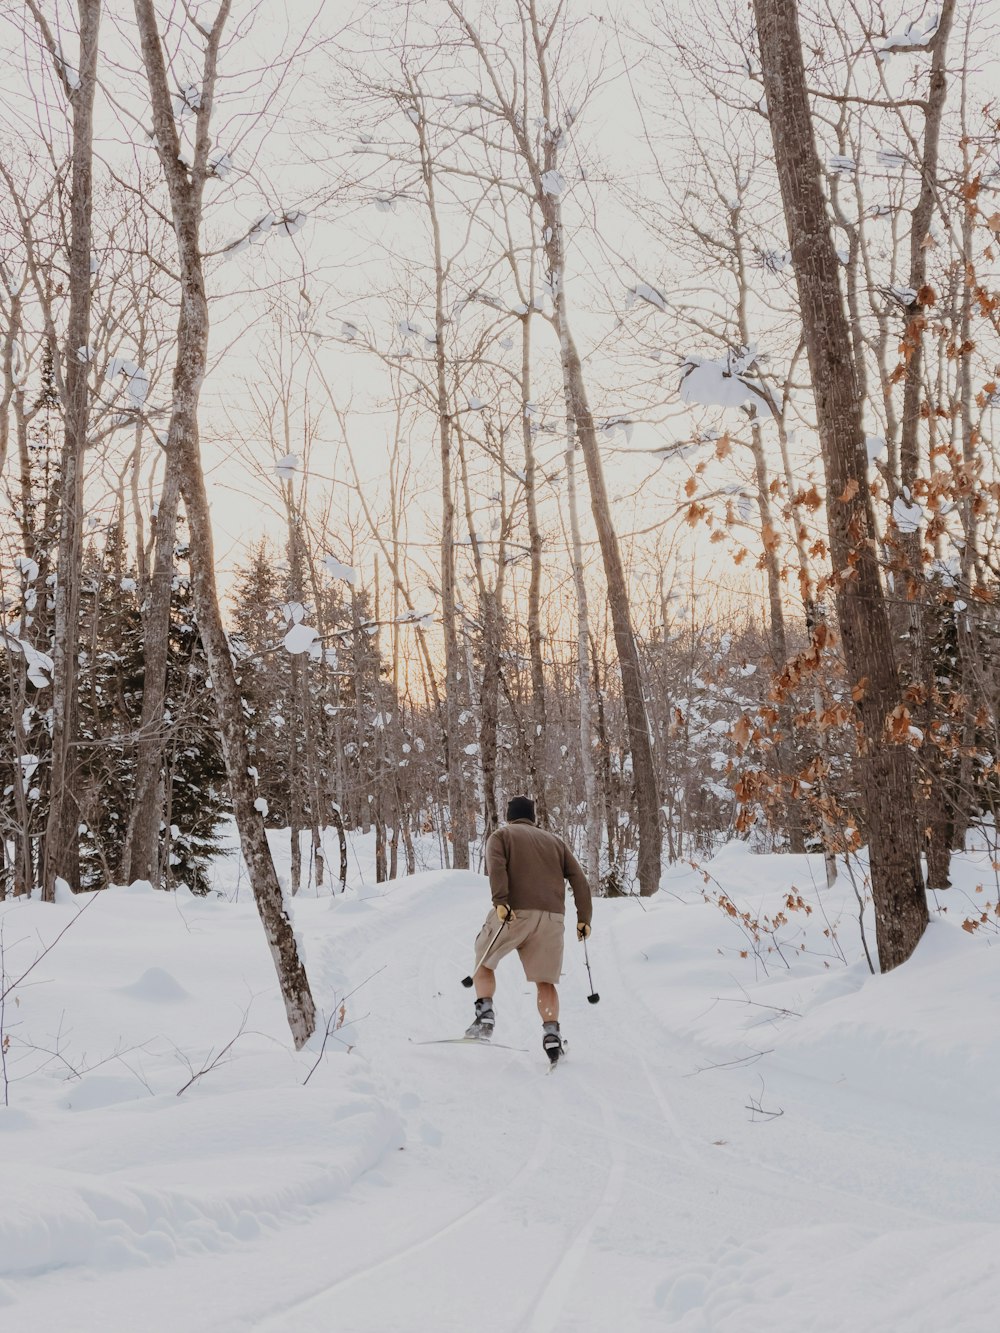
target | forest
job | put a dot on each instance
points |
(409, 404)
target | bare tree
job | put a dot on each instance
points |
(61, 854)
(541, 160)
(186, 187)
(883, 762)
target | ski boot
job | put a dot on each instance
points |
(552, 1041)
(481, 1028)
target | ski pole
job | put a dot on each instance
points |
(467, 981)
(593, 997)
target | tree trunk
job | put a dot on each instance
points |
(192, 355)
(640, 741)
(970, 673)
(884, 769)
(453, 692)
(141, 856)
(592, 838)
(489, 709)
(915, 618)
(604, 754)
(338, 824)
(62, 858)
(536, 748)
(784, 750)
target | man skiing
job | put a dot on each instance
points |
(528, 867)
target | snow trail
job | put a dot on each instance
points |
(446, 1187)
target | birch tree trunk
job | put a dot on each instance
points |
(883, 767)
(491, 619)
(640, 739)
(185, 190)
(536, 749)
(592, 839)
(970, 674)
(453, 691)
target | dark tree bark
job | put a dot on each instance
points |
(915, 619)
(62, 859)
(141, 857)
(883, 768)
(640, 740)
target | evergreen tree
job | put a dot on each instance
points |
(111, 667)
(330, 704)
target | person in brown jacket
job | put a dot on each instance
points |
(528, 868)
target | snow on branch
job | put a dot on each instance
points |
(642, 291)
(286, 467)
(913, 36)
(288, 223)
(130, 377)
(187, 100)
(40, 665)
(725, 382)
(338, 571)
(220, 164)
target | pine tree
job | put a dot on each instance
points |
(111, 679)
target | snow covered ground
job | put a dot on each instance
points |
(748, 1134)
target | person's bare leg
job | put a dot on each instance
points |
(548, 1001)
(485, 982)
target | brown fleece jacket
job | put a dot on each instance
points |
(527, 867)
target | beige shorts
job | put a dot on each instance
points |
(537, 936)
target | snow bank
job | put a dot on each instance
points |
(915, 1035)
(725, 976)
(105, 1164)
(155, 1178)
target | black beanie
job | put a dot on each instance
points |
(520, 807)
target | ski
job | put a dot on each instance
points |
(467, 1041)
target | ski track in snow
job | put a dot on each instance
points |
(557, 1290)
(627, 1191)
(286, 1316)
